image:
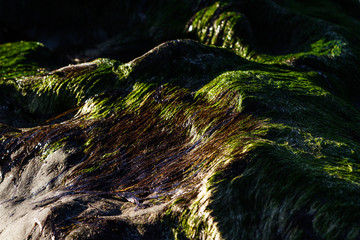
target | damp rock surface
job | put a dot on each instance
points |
(244, 127)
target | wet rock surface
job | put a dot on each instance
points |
(245, 127)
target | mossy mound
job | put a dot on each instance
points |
(244, 139)
(319, 37)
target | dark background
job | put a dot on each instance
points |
(88, 29)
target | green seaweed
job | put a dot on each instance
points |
(244, 131)
(263, 148)
(303, 42)
(22, 59)
(228, 29)
(49, 149)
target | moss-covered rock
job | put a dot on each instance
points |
(254, 137)
(308, 36)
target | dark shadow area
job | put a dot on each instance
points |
(85, 30)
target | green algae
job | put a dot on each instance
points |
(244, 131)
(51, 93)
(212, 129)
(228, 29)
(21, 59)
(321, 49)
(318, 45)
(49, 149)
(251, 149)
(296, 109)
(55, 92)
(69, 87)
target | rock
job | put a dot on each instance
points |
(253, 137)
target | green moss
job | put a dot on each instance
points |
(305, 150)
(228, 29)
(18, 61)
(52, 93)
(70, 86)
(52, 147)
(317, 45)
(265, 148)
(321, 48)
(21, 59)
(92, 168)
(254, 134)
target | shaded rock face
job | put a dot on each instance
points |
(248, 131)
